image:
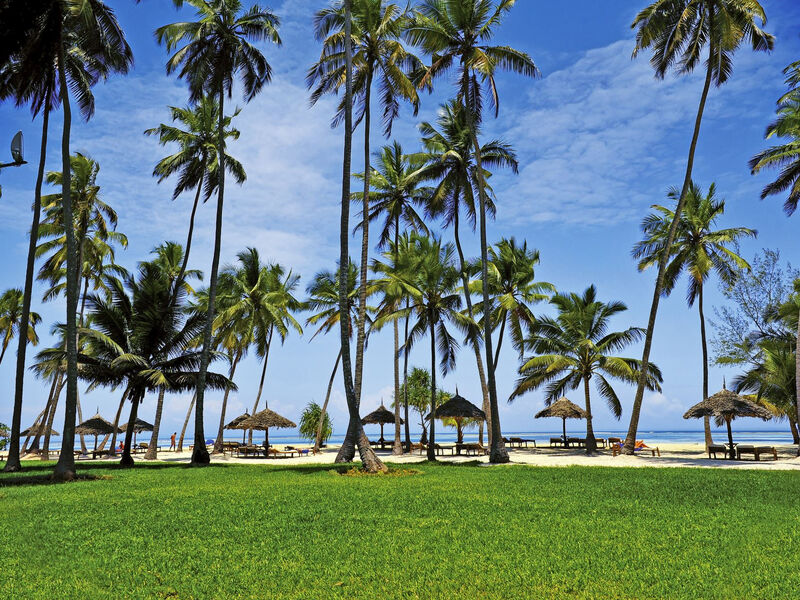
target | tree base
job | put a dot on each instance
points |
(200, 456)
(499, 456)
(151, 455)
(126, 461)
(63, 473)
(12, 467)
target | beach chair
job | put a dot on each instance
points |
(441, 450)
(714, 449)
(756, 451)
(556, 441)
(275, 453)
(522, 441)
(471, 449)
(576, 442)
(418, 447)
(639, 448)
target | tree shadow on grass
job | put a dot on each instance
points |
(31, 480)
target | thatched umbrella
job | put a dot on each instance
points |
(726, 405)
(381, 416)
(138, 427)
(458, 408)
(40, 429)
(564, 409)
(236, 424)
(95, 426)
(264, 420)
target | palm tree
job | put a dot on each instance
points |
(786, 156)
(62, 47)
(789, 313)
(513, 290)
(11, 324)
(457, 32)
(211, 52)
(575, 347)
(395, 195)
(435, 302)
(195, 163)
(323, 298)
(255, 301)
(697, 249)
(377, 53)
(451, 162)
(678, 31)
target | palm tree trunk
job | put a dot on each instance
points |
(45, 451)
(405, 384)
(36, 424)
(706, 419)
(731, 449)
(112, 451)
(323, 412)
(80, 420)
(13, 463)
(189, 235)
(152, 447)
(432, 436)
(797, 375)
(475, 345)
(370, 461)
(591, 444)
(793, 429)
(6, 341)
(500, 340)
(65, 467)
(630, 439)
(397, 446)
(260, 390)
(127, 459)
(200, 455)
(186, 422)
(221, 430)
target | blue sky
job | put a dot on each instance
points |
(599, 140)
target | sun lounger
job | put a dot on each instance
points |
(418, 448)
(756, 451)
(471, 449)
(444, 449)
(714, 449)
(520, 442)
(556, 441)
(641, 448)
(576, 442)
(275, 453)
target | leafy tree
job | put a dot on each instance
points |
(211, 52)
(677, 32)
(575, 347)
(698, 249)
(313, 420)
(11, 324)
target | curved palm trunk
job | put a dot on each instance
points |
(591, 443)
(200, 455)
(432, 436)
(80, 420)
(152, 447)
(706, 419)
(797, 375)
(189, 235)
(6, 341)
(112, 451)
(186, 423)
(630, 439)
(13, 462)
(127, 459)
(793, 430)
(323, 412)
(48, 419)
(260, 390)
(475, 346)
(221, 431)
(731, 449)
(65, 467)
(397, 446)
(39, 421)
(405, 384)
(370, 461)
(500, 340)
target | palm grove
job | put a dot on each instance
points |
(157, 331)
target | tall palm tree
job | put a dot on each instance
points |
(377, 54)
(575, 347)
(257, 301)
(323, 298)
(789, 313)
(458, 32)
(435, 302)
(195, 164)
(697, 249)
(678, 31)
(63, 46)
(211, 52)
(395, 196)
(11, 314)
(451, 163)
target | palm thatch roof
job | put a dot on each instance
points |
(40, 429)
(237, 422)
(138, 427)
(563, 409)
(727, 405)
(458, 407)
(380, 416)
(266, 419)
(97, 425)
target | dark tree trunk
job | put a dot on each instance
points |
(324, 411)
(432, 436)
(200, 455)
(221, 430)
(186, 423)
(797, 374)
(630, 439)
(591, 443)
(405, 385)
(795, 432)
(127, 459)
(397, 446)
(732, 450)
(65, 467)
(152, 447)
(41, 421)
(45, 452)
(261, 388)
(113, 450)
(706, 419)
(370, 461)
(189, 235)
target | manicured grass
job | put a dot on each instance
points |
(447, 532)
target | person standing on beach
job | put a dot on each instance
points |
(172, 441)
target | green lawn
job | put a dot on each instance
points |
(446, 532)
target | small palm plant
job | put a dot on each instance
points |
(575, 348)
